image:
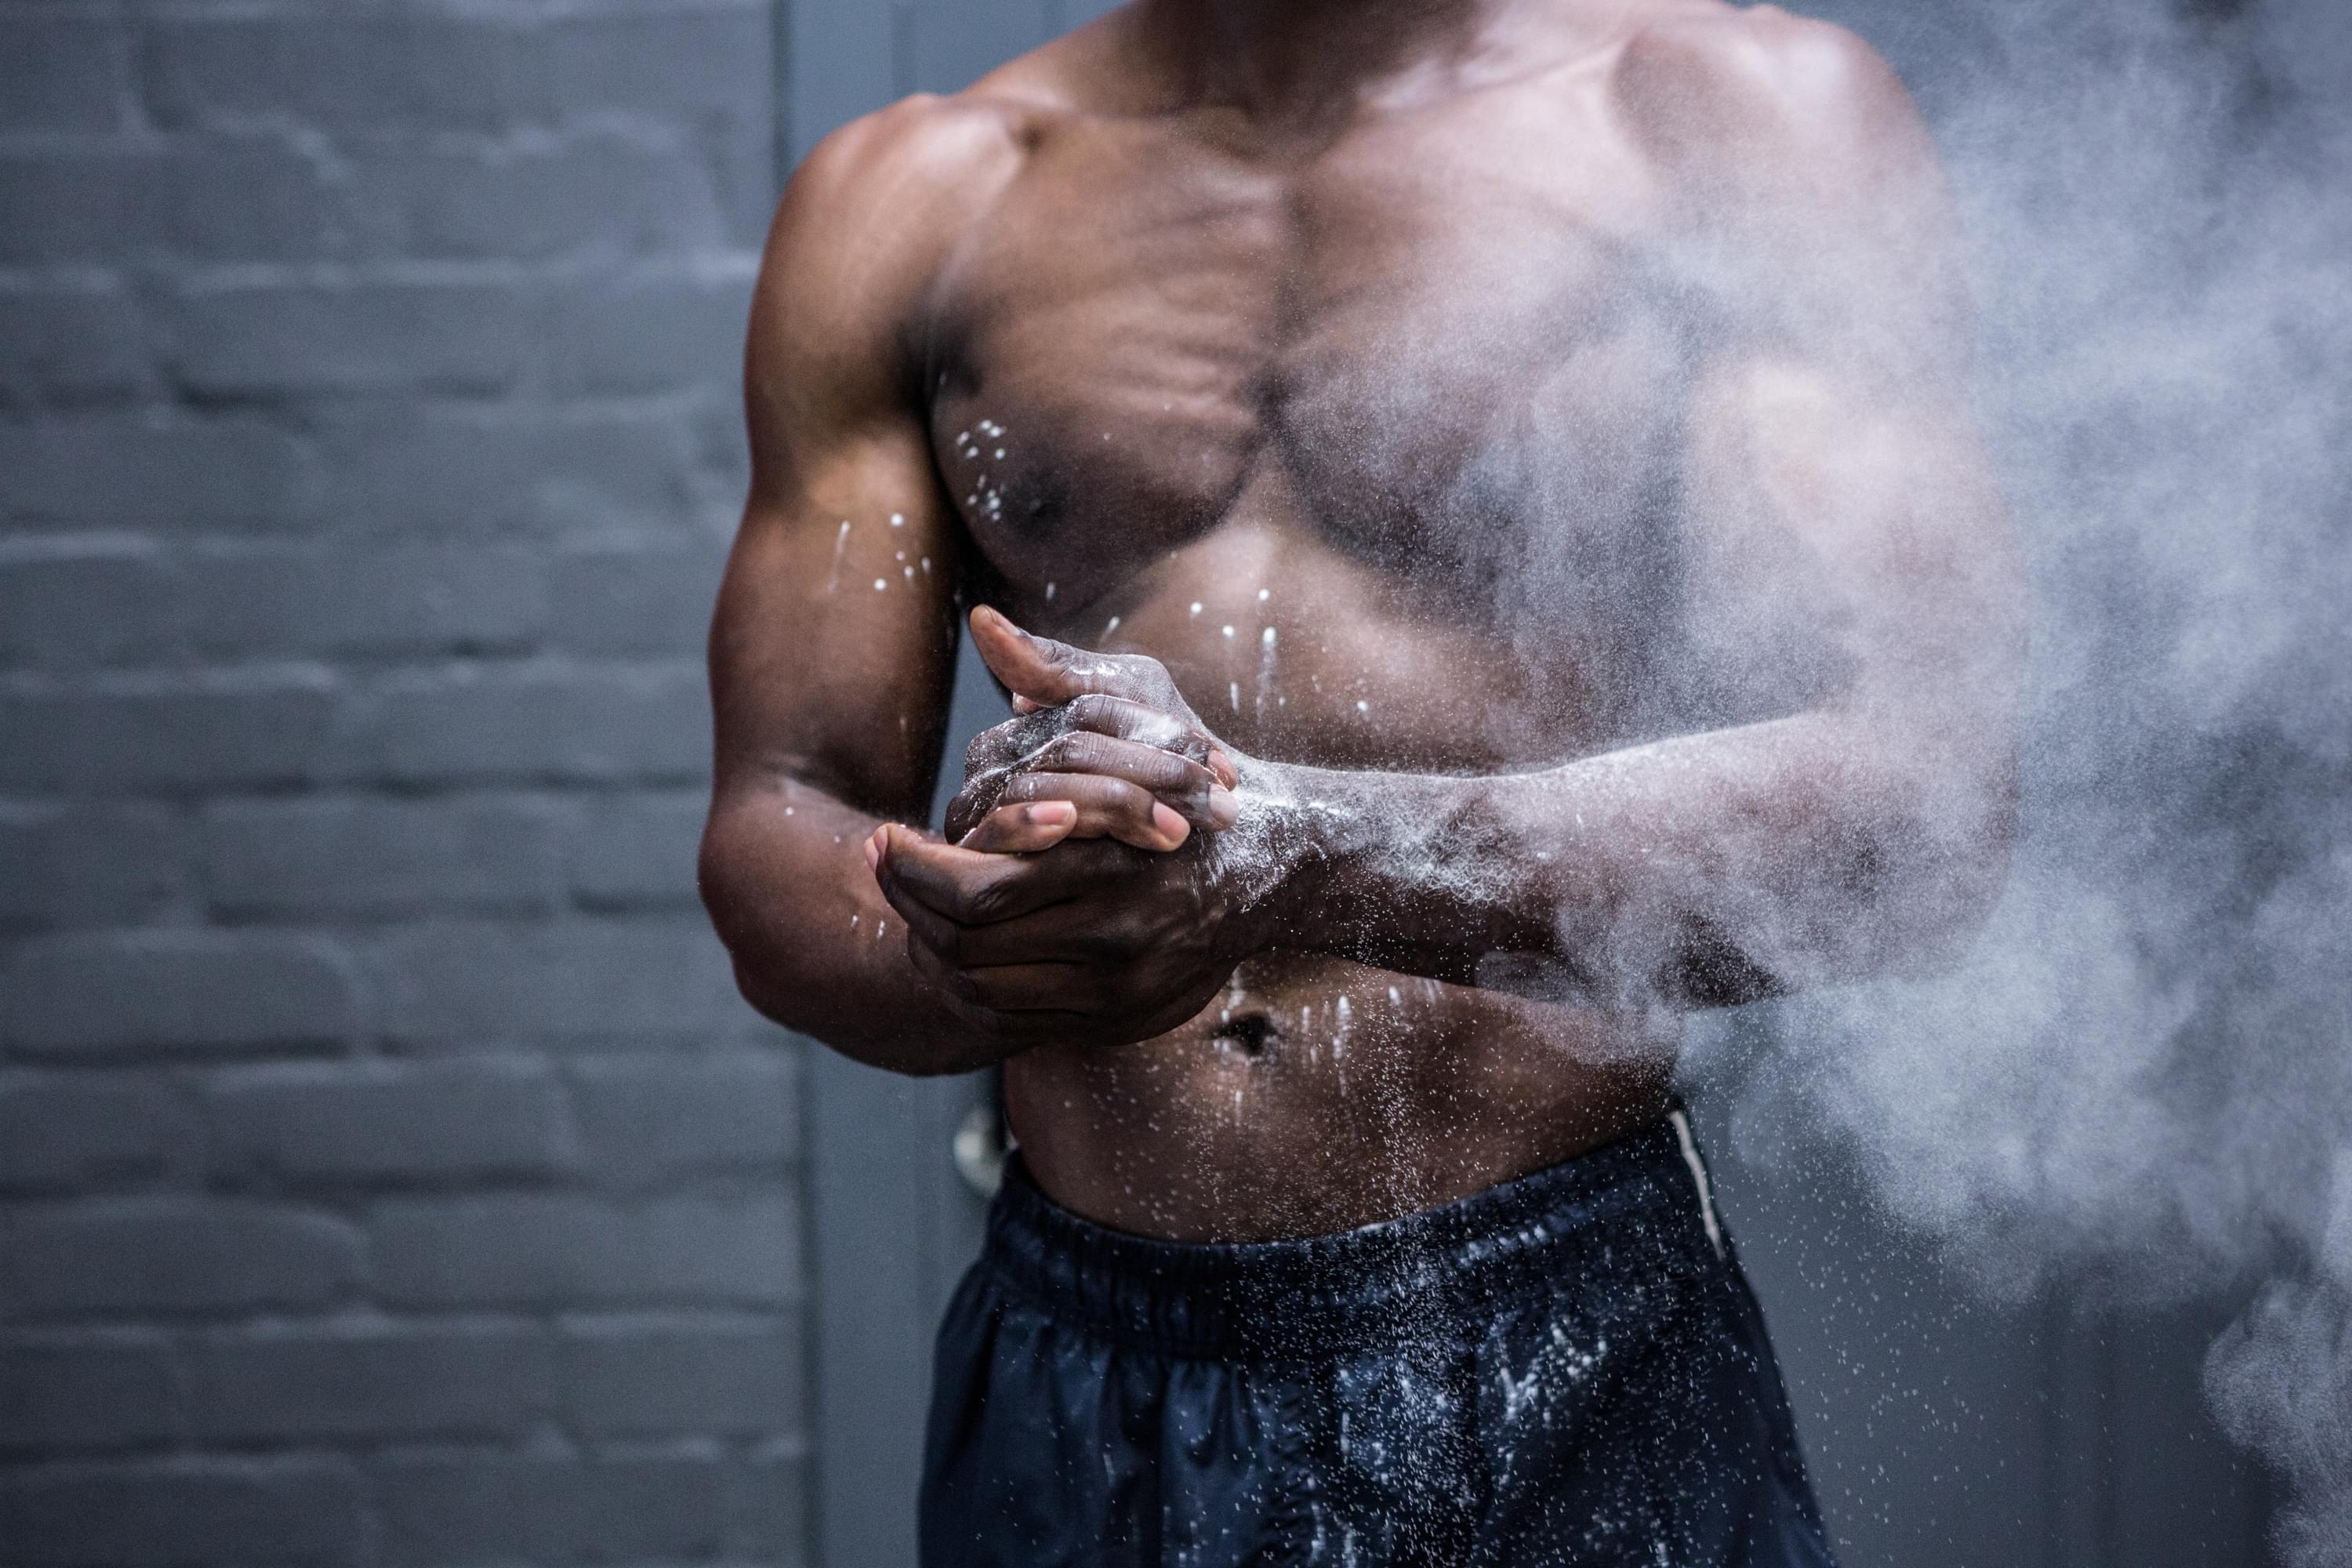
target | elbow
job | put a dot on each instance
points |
(1965, 852)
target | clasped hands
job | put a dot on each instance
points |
(1077, 895)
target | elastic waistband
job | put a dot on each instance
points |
(1629, 1207)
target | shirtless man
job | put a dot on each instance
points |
(1492, 484)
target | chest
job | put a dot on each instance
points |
(1436, 347)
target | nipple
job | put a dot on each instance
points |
(1248, 1034)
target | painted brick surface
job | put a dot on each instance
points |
(388, 1172)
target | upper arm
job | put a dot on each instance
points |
(832, 653)
(1848, 545)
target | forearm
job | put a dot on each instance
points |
(1707, 870)
(815, 947)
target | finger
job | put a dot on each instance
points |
(1183, 783)
(1107, 808)
(1039, 671)
(971, 888)
(927, 931)
(1128, 720)
(1002, 744)
(1074, 932)
(1026, 1025)
(1075, 991)
(1037, 823)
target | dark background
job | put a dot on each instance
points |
(388, 1172)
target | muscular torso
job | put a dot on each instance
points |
(1374, 444)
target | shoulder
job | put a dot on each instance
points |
(862, 227)
(1760, 94)
(928, 166)
(890, 188)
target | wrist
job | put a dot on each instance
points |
(1283, 852)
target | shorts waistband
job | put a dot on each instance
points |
(1630, 1207)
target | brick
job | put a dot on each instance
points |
(625, 1380)
(400, 601)
(597, 195)
(279, 340)
(706, 65)
(637, 981)
(240, 199)
(70, 345)
(60, 72)
(84, 1135)
(113, 470)
(473, 474)
(649, 334)
(87, 865)
(636, 850)
(380, 1123)
(361, 72)
(60, 205)
(648, 1120)
(86, 1395)
(113, 993)
(373, 857)
(448, 1512)
(449, 72)
(200, 199)
(539, 722)
(526, 1250)
(263, 1513)
(166, 735)
(155, 1256)
(769, 1508)
(635, 601)
(475, 1382)
(83, 607)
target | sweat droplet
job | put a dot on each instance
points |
(1264, 595)
(1049, 593)
(1363, 707)
(1229, 631)
(1196, 606)
(1111, 625)
(1269, 638)
(880, 585)
(897, 520)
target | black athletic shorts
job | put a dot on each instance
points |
(1569, 1369)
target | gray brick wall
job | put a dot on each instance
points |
(388, 1173)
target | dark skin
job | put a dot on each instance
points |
(1475, 505)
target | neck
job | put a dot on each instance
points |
(1293, 59)
(1304, 62)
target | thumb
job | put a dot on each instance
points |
(1034, 667)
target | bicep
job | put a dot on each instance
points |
(833, 651)
(1848, 546)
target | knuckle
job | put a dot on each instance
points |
(1074, 751)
